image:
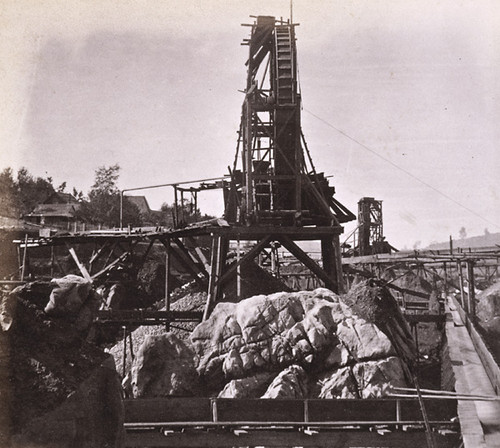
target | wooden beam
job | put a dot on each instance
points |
(110, 266)
(148, 249)
(98, 253)
(167, 275)
(200, 255)
(298, 253)
(189, 257)
(187, 263)
(23, 268)
(81, 267)
(214, 260)
(250, 255)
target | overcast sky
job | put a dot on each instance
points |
(412, 86)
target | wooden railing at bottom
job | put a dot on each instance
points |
(193, 422)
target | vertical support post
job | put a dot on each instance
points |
(337, 256)
(445, 280)
(131, 345)
(176, 208)
(121, 209)
(196, 206)
(167, 279)
(214, 260)
(248, 159)
(124, 359)
(332, 261)
(461, 284)
(398, 412)
(238, 270)
(472, 291)
(183, 218)
(23, 269)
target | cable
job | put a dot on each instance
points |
(408, 173)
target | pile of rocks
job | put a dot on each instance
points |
(296, 345)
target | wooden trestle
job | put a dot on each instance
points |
(212, 273)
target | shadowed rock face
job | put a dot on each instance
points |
(285, 345)
(59, 390)
(164, 366)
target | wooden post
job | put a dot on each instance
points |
(461, 284)
(23, 269)
(472, 289)
(337, 256)
(124, 360)
(445, 280)
(238, 270)
(213, 274)
(176, 208)
(167, 278)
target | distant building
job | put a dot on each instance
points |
(58, 211)
(141, 203)
(148, 216)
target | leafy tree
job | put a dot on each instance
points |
(462, 233)
(61, 188)
(78, 195)
(19, 195)
(103, 205)
(9, 201)
(32, 190)
(186, 214)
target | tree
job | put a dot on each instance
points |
(186, 214)
(103, 206)
(9, 201)
(78, 195)
(20, 195)
(462, 233)
(61, 188)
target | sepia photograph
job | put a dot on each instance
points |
(249, 223)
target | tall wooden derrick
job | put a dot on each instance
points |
(275, 193)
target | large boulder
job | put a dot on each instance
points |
(488, 308)
(317, 331)
(68, 295)
(73, 299)
(164, 366)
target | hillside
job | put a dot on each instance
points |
(486, 240)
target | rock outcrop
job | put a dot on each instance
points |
(303, 344)
(488, 308)
(164, 366)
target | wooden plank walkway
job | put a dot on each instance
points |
(479, 420)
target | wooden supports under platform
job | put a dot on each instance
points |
(211, 272)
(329, 271)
